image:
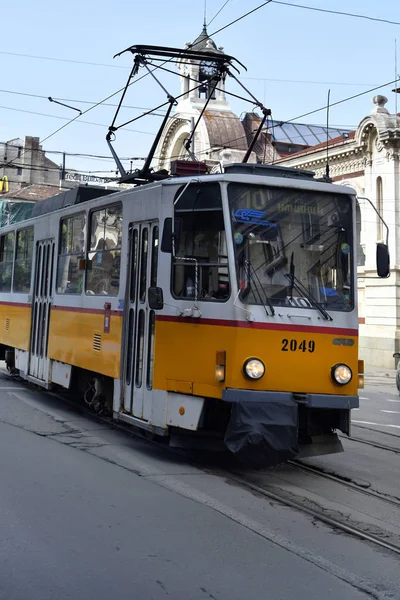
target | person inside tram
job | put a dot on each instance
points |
(103, 264)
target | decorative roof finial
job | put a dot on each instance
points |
(205, 15)
(379, 107)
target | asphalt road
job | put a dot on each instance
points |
(379, 406)
(74, 525)
(87, 512)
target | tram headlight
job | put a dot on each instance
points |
(254, 368)
(341, 374)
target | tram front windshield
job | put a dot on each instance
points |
(293, 247)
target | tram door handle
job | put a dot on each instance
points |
(107, 317)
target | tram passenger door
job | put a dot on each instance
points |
(41, 303)
(140, 319)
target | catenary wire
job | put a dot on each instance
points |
(31, 112)
(136, 107)
(218, 12)
(337, 12)
(395, 81)
(243, 16)
(145, 75)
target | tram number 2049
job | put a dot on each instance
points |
(294, 345)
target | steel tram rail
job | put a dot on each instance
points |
(239, 479)
(354, 531)
(345, 482)
(372, 443)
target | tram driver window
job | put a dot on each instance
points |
(202, 242)
(104, 257)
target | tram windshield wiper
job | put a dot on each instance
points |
(257, 286)
(296, 283)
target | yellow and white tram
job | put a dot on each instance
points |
(220, 304)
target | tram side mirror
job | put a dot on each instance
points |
(155, 298)
(168, 234)
(382, 260)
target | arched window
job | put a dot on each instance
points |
(379, 207)
(359, 248)
(179, 151)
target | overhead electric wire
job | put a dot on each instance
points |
(274, 80)
(305, 81)
(291, 4)
(250, 12)
(146, 74)
(282, 122)
(77, 154)
(31, 112)
(217, 13)
(42, 97)
(378, 87)
(158, 114)
(172, 59)
(67, 60)
(395, 81)
(337, 12)
(46, 169)
(101, 102)
(55, 167)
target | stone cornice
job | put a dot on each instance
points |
(349, 160)
(377, 134)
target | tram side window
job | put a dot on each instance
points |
(202, 242)
(23, 261)
(6, 260)
(104, 258)
(72, 249)
(154, 257)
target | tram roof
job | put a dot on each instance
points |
(273, 175)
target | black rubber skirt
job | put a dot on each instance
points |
(263, 434)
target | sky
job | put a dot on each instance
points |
(293, 57)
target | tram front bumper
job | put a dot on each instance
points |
(263, 428)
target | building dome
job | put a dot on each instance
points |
(204, 43)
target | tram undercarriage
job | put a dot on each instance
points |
(261, 434)
(260, 429)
